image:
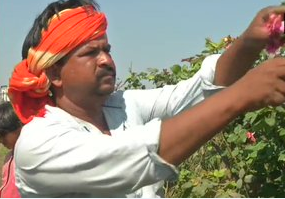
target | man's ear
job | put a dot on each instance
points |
(53, 74)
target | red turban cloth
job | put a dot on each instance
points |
(29, 85)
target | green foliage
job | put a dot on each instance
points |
(231, 164)
(176, 73)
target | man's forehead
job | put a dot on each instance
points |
(99, 41)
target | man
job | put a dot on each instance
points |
(10, 128)
(96, 143)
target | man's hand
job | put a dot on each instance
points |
(259, 32)
(245, 50)
(263, 85)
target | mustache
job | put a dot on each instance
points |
(108, 71)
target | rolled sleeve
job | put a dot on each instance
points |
(207, 73)
(150, 135)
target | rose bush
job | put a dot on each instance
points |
(247, 159)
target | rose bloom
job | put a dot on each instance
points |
(251, 137)
(276, 29)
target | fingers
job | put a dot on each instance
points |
(268, 11)
(278, 61)
(280, 88)
(273, 9)
(277, 96)
(277, 9)
(274, 68)
(276, 99)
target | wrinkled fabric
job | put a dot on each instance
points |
(29, 85)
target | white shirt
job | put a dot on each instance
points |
(62, 156)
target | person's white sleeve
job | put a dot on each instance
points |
(172, 99)
(58, 158)
(207, 73)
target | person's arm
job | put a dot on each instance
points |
(172, 99)
(66, 157)
(185, 133)
(242, 54)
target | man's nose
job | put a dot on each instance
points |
(105, 59)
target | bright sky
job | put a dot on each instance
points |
(143, 33)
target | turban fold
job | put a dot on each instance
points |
(29, 85)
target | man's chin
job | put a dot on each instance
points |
(107, 90)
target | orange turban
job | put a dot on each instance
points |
(29, 85)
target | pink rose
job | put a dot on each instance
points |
(251, 137)
(276, 29)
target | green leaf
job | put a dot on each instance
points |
(183, 76)
(241, 173)
(151, 77)
(219, 174)
(253, 154)
(241, 164)
(232, 138)
(187, 185)
(282, 132)
(239, 183)
(248, 178)
(235, 152)
(238, 128)
(205, 51)
(249, 161)
(281, 157)
(260, 146)
(210, 148)
(280, 109)
(176, 69)
(232, 185)
(243, 137)
(270, 121)
(251, 116)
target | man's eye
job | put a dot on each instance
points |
(107, 49)
(92, 52)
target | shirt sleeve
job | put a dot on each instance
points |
(207, 73)
(67, 158)
(172, 99)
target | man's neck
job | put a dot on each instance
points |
(90, 110)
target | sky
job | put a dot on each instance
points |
(143, 33)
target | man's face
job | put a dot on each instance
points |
(10, 139)
(90, 70)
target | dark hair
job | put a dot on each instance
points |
(9, 121)
(41, 22)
